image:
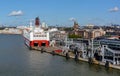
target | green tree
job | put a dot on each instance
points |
(74, 36)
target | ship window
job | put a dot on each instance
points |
(35, 44)
(35, 35)
(43, 44)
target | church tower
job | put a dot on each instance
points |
(75, 26)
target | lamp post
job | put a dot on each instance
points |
(92, 53)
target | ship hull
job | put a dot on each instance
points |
(36, 43)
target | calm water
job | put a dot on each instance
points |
(17, 60)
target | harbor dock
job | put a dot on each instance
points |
(72, 56)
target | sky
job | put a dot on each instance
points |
(60, 12)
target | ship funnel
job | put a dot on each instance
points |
(37, 22)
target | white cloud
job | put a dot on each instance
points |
(72, 19)
(16, 13)
(115, 9)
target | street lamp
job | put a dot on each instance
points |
(92, 53)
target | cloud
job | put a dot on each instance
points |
(72, 19)
(115, 9)
(16, 13)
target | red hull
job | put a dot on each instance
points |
(35, 43)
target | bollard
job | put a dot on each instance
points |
(90, 61)
(67, 56)
(76, 57)
(42, 50)
(53, 53)
(107, 64)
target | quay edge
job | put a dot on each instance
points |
(81, 59)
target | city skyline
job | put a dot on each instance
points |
(60, 12)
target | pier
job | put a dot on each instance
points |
(72, 56)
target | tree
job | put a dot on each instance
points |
(74, 36)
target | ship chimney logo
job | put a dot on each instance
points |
(37, 22)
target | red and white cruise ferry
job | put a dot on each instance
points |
(35, 36)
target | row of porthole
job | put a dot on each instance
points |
(39, 35)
